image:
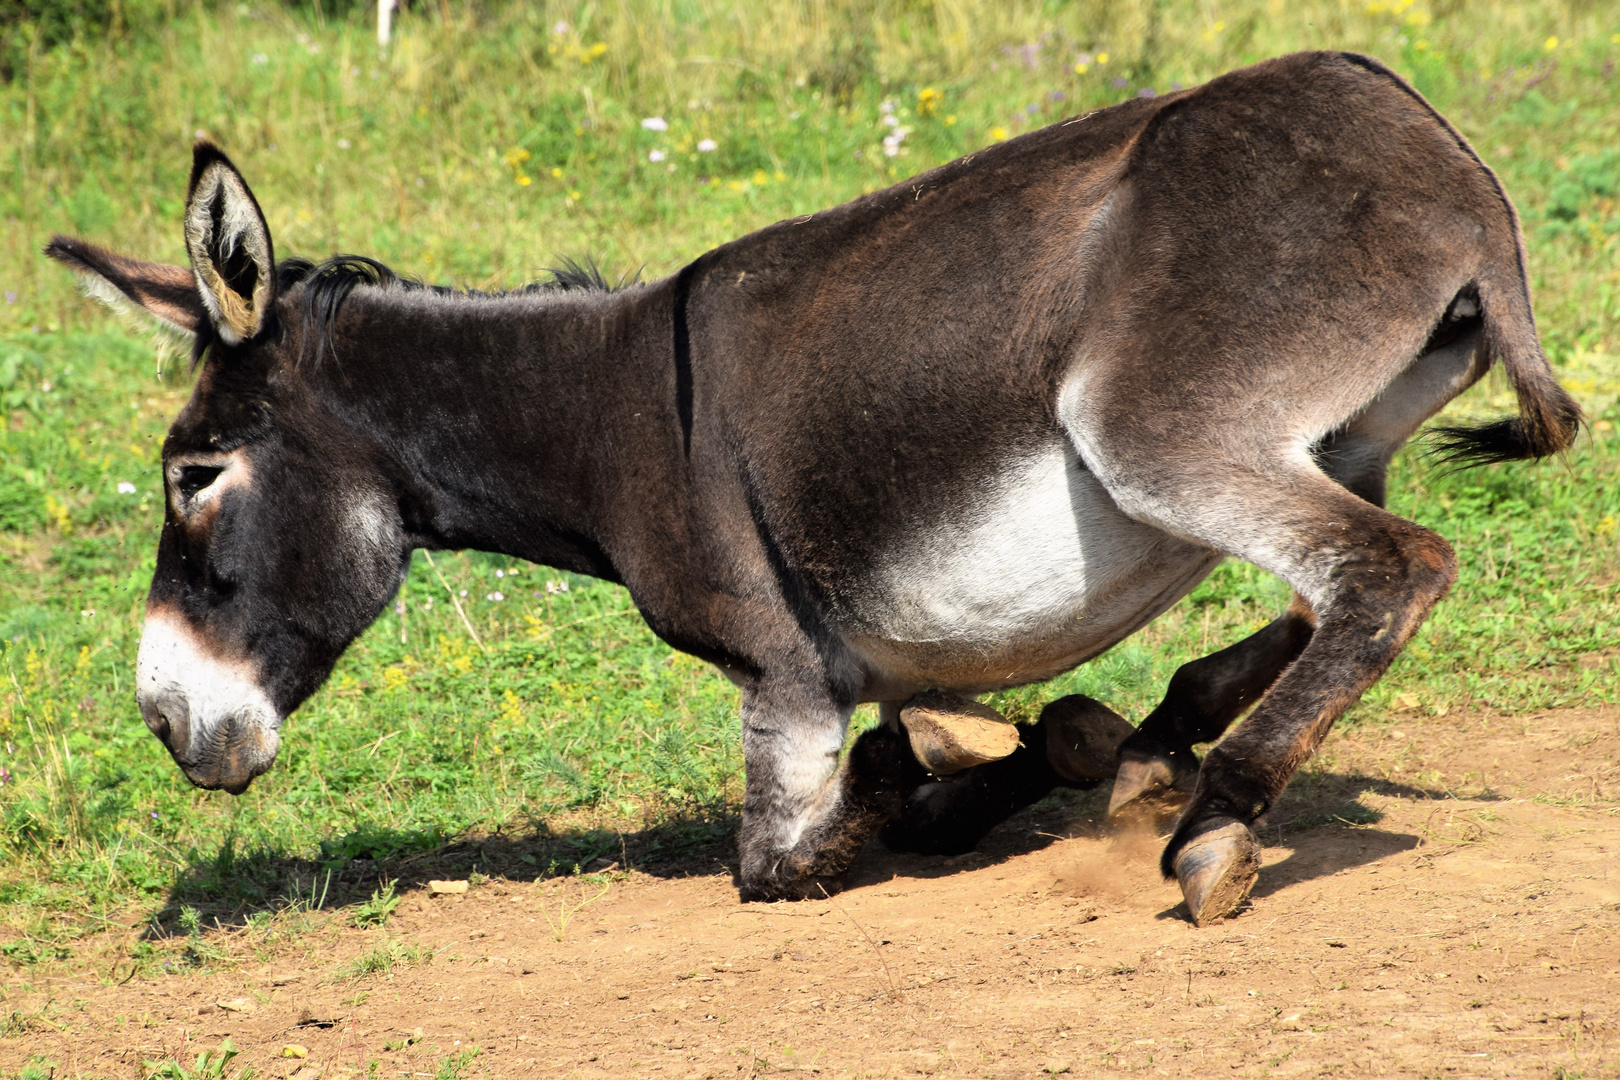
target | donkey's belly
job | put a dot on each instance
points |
(1044, 573)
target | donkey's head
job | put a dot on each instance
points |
(281, 540)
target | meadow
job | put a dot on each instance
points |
(493, 140)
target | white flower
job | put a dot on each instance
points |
(886, 107)
(125, 487)
(260, 58)
(707, 146)
(555, 587)
(344, 144)
(655, 155)
(495, 596)
(463, 592)
(892, 120)
(655, 123)
(500, 573)
(560, 29)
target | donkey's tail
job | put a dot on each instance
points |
(1549, 418)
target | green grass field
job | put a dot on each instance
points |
(490, 142)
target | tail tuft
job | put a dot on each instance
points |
(1508, 439)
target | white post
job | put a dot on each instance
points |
(385, 22)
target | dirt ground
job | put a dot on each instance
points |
(1443, 901)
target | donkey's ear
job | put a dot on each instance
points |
(167, 293)
(229, 245)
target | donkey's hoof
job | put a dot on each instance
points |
(1083, 737)
(950, 733)
(1146, 787)
(1217, 869)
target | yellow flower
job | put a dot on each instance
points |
(523, 181)
(760, 179)
(515, 156)
(951, 119)
(1551, 43)
(998, 133)
(573, 196)
(1614, 39)
(556, 173)
(1421, 45)
(735, 185)
(928, 100)
(1102, 58)
(1081, 69)
(779, 176)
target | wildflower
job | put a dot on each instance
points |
(997, 134)
(556, 173)
(761, 178)
(496, 596)
(886, 107)
(1121, 83)
(399, 607)
(655, 123)
(928, 100)
(5, 776)
(260, 58)
(560, 29)
(1145, 92)
(1032, 108)
(891, 120)
(463, 592)
(500, 573)
(655, 155)
(1102, 58)
(707, 146)
(154, 815)
(515, 157)
(555, 587)
(1055, 95)
(344, 144)
(428, 603)
(1551, 43)
(11, 296)
(125, 487)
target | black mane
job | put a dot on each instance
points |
(328, 283)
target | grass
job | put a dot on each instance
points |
(493, 139)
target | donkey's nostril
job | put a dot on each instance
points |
(161, 727)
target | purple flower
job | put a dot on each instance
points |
(1121, 83)
(1145, 92)
(1055, 95)
(11, 297)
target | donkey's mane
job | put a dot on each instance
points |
(327, 284)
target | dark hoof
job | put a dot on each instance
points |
(1148, 787)
(1083, 737)
(1216, 870)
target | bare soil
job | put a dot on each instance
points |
(1439, 900)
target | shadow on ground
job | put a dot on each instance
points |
(1317, 817)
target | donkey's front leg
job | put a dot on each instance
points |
(805, 818)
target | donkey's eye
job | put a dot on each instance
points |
(193, 478)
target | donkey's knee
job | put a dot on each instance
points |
(808, 857)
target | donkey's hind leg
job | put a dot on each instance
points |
(1074, 744)
(1157, 766)
(805, 816)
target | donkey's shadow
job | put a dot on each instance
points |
(1320, 819)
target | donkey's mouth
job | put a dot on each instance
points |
(242, 751)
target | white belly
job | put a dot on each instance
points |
(1044, 574)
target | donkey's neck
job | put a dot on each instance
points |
(508, 423)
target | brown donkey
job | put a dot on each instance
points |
(958, 435)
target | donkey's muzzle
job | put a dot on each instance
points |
(224, 754)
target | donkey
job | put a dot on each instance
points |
(961, 434)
